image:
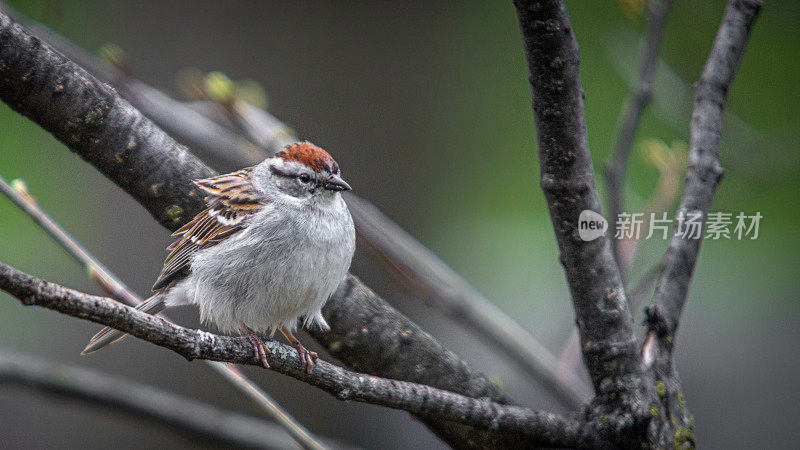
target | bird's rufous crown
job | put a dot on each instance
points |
(310, 155)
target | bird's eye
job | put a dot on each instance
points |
(304, 178)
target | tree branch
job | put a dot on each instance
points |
(106, 131)
(703, 175)
(117, 290)
(177, 119)
(615, 172)
(420, 268)
(203, 127)
(541, 428)
(428, 275)
(704, 171)
(435, 280)
(195, 419)
(567, 178)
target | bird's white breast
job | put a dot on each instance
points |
(284, 265)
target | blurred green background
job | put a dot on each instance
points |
(426, 106)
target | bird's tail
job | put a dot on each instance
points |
(108, 335)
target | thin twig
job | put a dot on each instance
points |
(704, 171)
(195, 419)
(296, 430)
(670, 173)
(19, 195)
(644, 287)
(615, 172)
(191, 124)
(541, 428)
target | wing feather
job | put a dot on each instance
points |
(231, 201)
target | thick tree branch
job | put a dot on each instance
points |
(704, 171)
(195, 419)
(105, 130)
(177, 119)
(570, 358)
(615, 172)
(70, 104)
(643, 91)
(567, 178)
(540, 428)
(205, 128)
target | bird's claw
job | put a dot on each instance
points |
(260, 348)
(308, 357)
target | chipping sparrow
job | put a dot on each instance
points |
(272, 246)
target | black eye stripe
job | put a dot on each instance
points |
(304, 177)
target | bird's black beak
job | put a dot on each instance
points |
(336, 183)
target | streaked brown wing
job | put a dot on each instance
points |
(234, 190)
(232, 199)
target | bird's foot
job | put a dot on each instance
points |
(260, 348)
(306, 356)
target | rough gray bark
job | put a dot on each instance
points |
(704, 171)
(638, 400)
(529, 426)
(615, 172)
(567, 178)
(75, 108)
(702, 178)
